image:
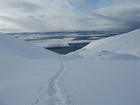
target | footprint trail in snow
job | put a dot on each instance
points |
(52, 92)
(56, 97)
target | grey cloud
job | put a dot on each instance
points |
(8, 25)
(60, 16)
(77, 1)
(20, 6)
(127, 0)
(25, 6)
(121, 17)
(10, 30)
(45, 16)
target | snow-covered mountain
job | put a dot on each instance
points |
(23, 67)
(30, 75)
(12, 46)
(124, 46)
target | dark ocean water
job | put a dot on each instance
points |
(66, 50)
(77, 36)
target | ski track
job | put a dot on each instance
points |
(50, 92)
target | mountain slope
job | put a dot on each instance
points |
(23, 67)
(127, 43)
(45, 78)
(9, 45)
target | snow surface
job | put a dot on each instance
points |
(108, 47)
(30, 75)
(9, 45)
(103, 82)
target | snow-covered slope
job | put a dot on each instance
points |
(23, 67)
(103, 82)
(30, 75)
(107, 48)
(10, 45)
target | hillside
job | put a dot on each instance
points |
(12, 46)
(117, 46)
(30, 75)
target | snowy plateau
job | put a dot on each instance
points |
(105, 72)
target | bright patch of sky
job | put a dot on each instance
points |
(84, 5)
(68, 15)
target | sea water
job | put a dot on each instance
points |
(66, 50)
(84, 36)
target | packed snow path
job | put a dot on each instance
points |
(52, 92)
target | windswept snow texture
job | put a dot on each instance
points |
(9, 45)
(104, 82)
(31, 75)
(23, 67)
(127, 43)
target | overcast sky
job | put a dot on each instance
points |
(68, 15)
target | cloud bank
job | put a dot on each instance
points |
(68, 15)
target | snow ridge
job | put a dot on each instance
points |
(51, 93)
